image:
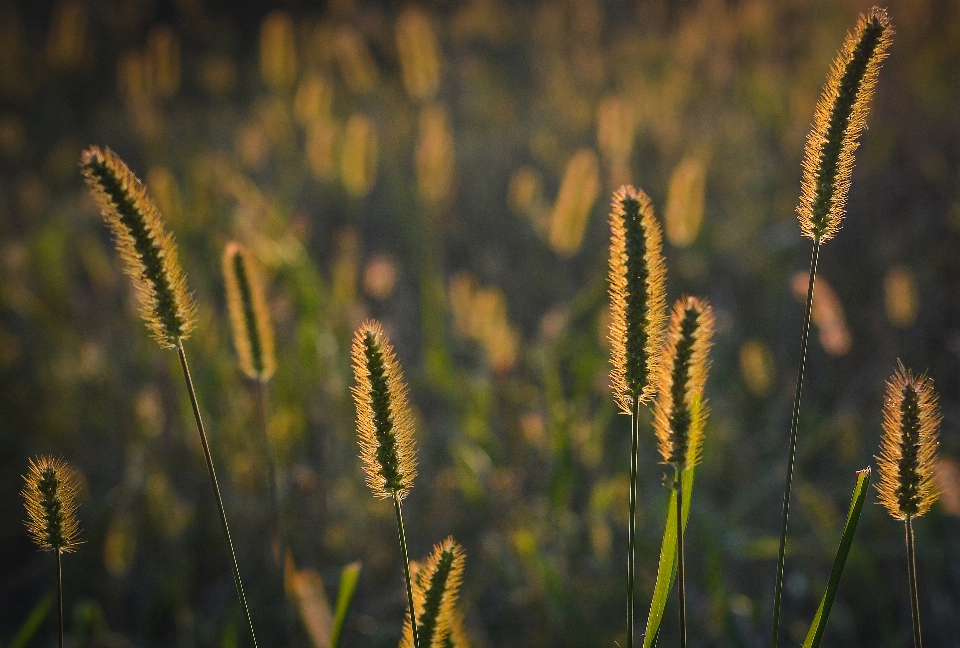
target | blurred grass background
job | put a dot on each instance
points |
(446, 167)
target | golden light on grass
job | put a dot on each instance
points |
(384, 420)
(162, 61)
(148, 251)
(435, 155)
(616, 128)
(67, 38)
(480, 314)
(637, 297)
(313, 100)
(358, 156)
(827, 315)
(571, 211)
(680, 411)
(50, 499)
(907, 459)
(419, 54)
(249, 316)
(437, 582)
(757, 367)
(356, 63)
(380, 276)
(901, 297)
(840, 118)
(322, 141)
(278, 50)
(685, 202)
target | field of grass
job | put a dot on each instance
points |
(446, 168)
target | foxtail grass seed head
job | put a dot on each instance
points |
(434, 596)
(680, 411)
(50, 500)
(384, 421)
(148, 251)
(637, 297)
(907, 460)
(840, 118)
(249, 316)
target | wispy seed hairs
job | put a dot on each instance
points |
(147, 249)
(908, 448)
(680, 411)
(434, 595)
(249, 316)
(384, 421)
(50, 499)
(840, 118)
(637, 297)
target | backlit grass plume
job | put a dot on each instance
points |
(638, 309)
(147, 249)
(840, 118)
(680, 411)
(385, 428)
(384, 422)
(249, 317)
(637, 301)
(166, 305)
(50, 499)
(435, 595)
(908, 448)
(907, 461)
(827, 167)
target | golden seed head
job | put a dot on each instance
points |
(384, 421)
(907, 460)
(840, 118)
(680, 412)
(637, 297)
(148, 251)
(50, 500)
(249, 316)
(435, 589)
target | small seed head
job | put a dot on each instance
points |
(148, 251)
(637, 297)
(680, 412)
(384, 421)
(434, 596)
(50, 499)
(249, 316)
(907, 460)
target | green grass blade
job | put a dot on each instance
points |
(348, 583)
(30, 626)
(815, 634)
(667, 571)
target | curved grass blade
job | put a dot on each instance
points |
(32, 623)
(348, 583)
(667, 570)
(815, 634)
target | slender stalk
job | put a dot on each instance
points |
(681, 588)
(804, 336)
(216, 487)
(632, 529)
(912, 576)
(406, 571)
(60, 592)
(272, 472)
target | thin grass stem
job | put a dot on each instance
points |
(632, 529)
(681, 588)
(805, 335)
(216, 487)
(406, 571)
(272, 470)
(912, 576)
(60, 592)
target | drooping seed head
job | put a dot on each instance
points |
(384, 421)
(249, 316)
(637, 297)
(434, 596)
(148, 251)
(907, 460)
(840, 118)
(50, 500)
(680, 411)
